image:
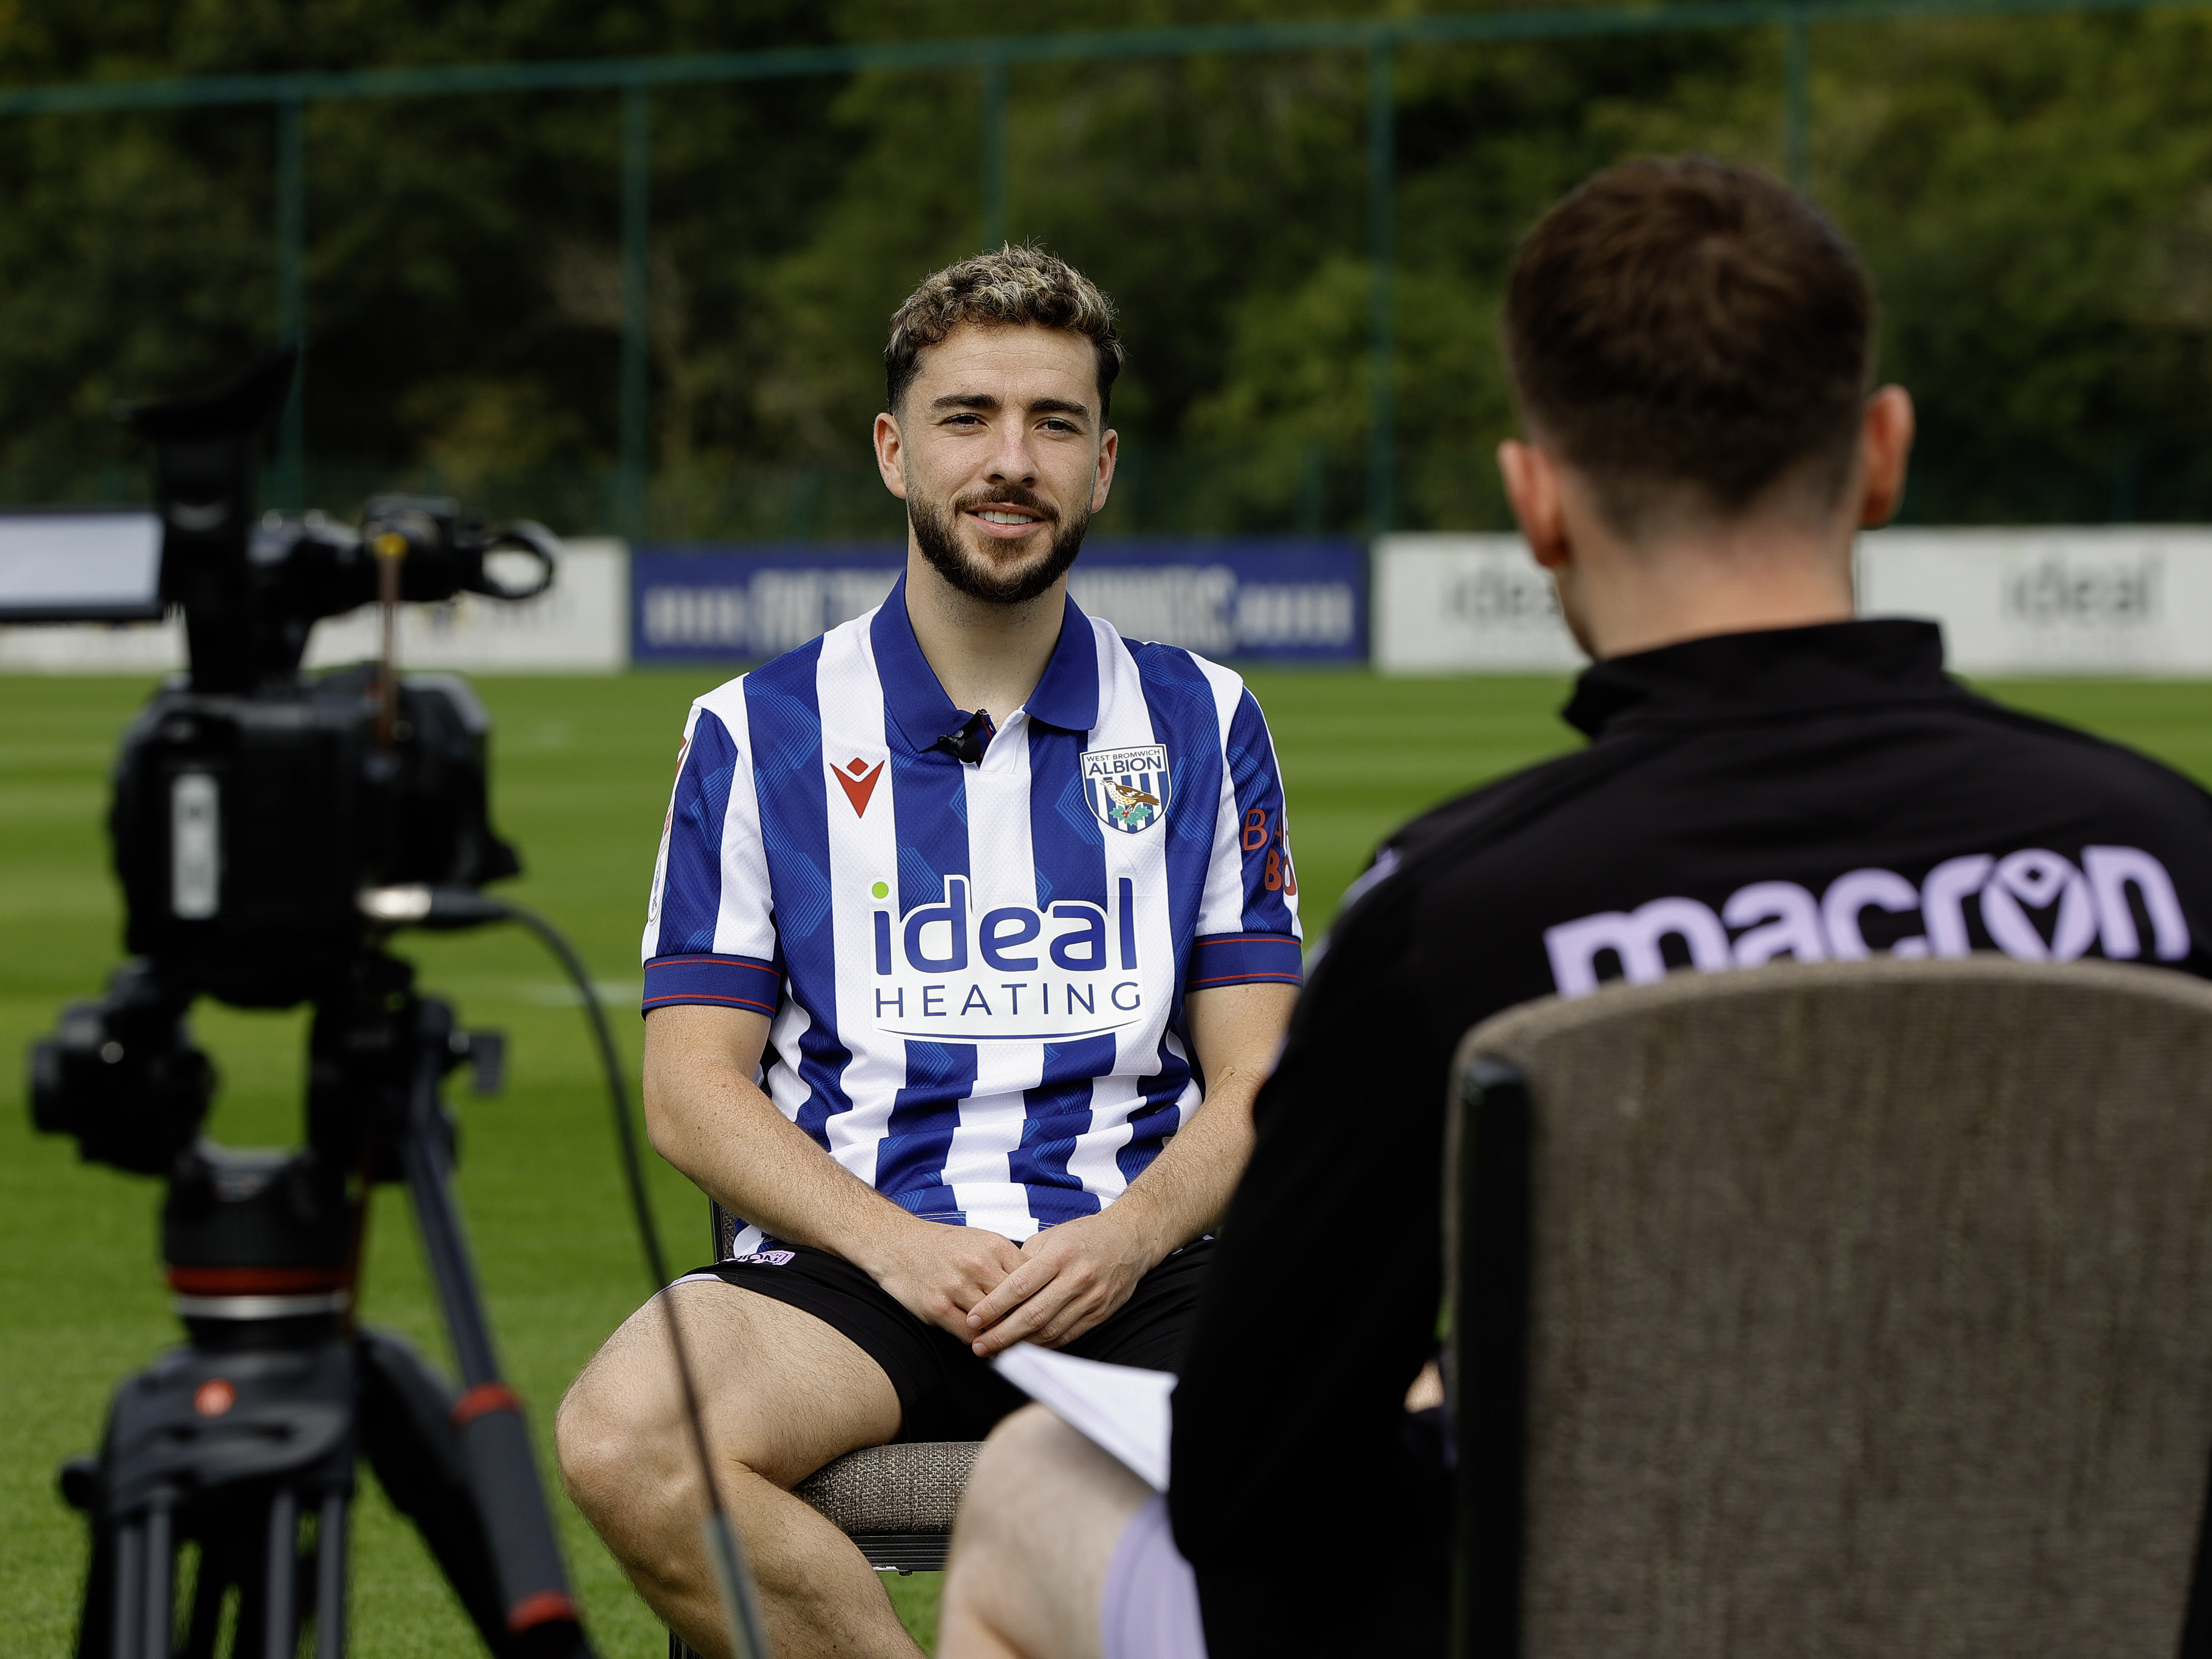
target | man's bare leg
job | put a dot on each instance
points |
(781, 1394)
(1043, 1514)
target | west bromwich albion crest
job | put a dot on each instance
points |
(1127, 788)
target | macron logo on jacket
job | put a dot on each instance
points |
(2083, 905)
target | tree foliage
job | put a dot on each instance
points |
(2034, 195)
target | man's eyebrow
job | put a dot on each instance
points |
(985, 400)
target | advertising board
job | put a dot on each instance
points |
(2107, 600)
(1284, 600)
(1466, 604)
(2117, 599)
(580, 625)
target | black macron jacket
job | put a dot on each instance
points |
(1804, 792)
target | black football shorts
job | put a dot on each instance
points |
(944, 1392)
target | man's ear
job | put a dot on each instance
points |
(1533, 487)
(1109, 451)
(1885, 445)
(891, 454)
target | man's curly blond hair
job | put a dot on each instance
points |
(1018, 286)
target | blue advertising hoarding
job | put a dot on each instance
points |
(1265, 601)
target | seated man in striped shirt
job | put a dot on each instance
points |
(974, 931)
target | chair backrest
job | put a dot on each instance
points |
(1837, 1309)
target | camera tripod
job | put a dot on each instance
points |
(245, 1441)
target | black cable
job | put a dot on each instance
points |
(618, 1092)
(746, 1617)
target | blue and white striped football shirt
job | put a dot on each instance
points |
(975, 972)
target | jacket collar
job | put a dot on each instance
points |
(1761, 675)
(1066, 694)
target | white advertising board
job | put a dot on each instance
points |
(150, 647)
(2117, 600)
(93, 561)
(2121, 601)
(580, 625)
(1466, 604)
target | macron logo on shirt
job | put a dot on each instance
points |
(2082, 906)
(859, 779)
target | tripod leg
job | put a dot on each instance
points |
(533, 1584)
(95, 1626)
(280, 1617)
(128, 1589)
(407, 1434)
(329, 1579)
(158, 1613)
(227, 1564)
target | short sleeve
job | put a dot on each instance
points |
(709, 929)
(1248, 925)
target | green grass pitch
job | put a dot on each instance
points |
(581, 770)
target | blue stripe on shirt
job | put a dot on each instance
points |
(691, 880)
(1069, 847)
(1267, 872)
(721, 981)
(1180, 700)
(1058, 1110)
(910, 1157)
(1219, 959)
(1161, 1114)
(785, 713)
(929, 809)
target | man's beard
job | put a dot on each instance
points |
(936, 532)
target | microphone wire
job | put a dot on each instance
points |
(748, 1634)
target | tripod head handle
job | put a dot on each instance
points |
(434, 908)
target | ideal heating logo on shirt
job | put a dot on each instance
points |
(2035, 905)
(1013, 973)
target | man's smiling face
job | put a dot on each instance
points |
(1000, 451)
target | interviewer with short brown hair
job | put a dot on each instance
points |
(1691, 350)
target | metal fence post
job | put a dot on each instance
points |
(994, 151)
(1381, 366)
(1797, 69)
(291, 299)
(636, 343)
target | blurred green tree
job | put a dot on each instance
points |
(2035, 196)
(2037, 200)
(462, 279)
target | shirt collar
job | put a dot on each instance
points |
(1772, 673)
(1066, 694)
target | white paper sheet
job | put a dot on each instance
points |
(1121, 1409)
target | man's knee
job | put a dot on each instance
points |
(780, 1393)
(612, 1435)
(1045, 1510)
(1040, 1487)
(1032, 1450)
(1029, 1450)
(1000, 1484)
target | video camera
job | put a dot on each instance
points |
(254, 806)
(272, 829)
